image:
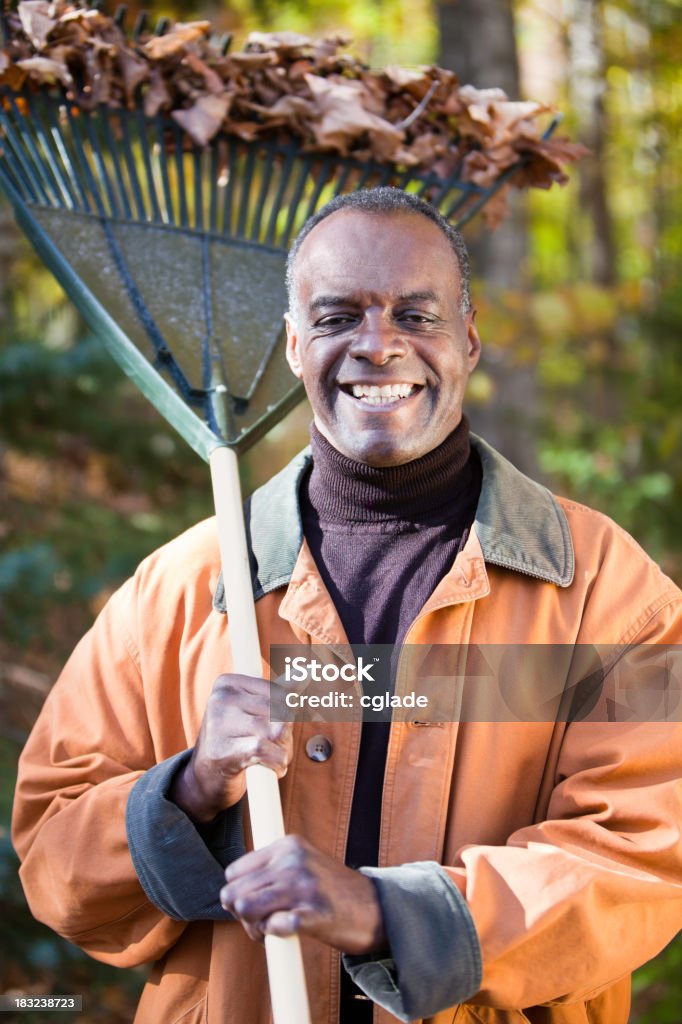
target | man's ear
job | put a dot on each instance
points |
(473, 340)
(292, 346)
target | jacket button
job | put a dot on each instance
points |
(319, 748)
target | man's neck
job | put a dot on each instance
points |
(343, 490)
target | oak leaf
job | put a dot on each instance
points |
(175, 41)
(343, 118)
(37, 20)
(45, 70)
(203, 120)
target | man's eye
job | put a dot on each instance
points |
(413, 317)
(335, 320)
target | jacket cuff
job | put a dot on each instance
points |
(435, 956)
(180, 865)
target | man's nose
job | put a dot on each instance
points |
(378, 341)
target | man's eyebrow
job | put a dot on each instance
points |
(427, 296)
(325, 301)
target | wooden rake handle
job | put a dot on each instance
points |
(285, 964)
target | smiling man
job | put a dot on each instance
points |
(475, 870)
(383, 340)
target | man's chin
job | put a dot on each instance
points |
(380, 453)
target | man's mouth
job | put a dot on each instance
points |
(384, 394)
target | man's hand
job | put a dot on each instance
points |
(290, 887)
(236, 732)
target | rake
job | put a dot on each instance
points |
(175, 257)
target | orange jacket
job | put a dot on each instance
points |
(563, 838)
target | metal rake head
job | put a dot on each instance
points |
(176, 254)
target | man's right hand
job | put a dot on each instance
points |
(235, 733)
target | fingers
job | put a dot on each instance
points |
(291, 887)
(236, 732)
(271, 891)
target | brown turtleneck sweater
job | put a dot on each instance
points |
(382, 540)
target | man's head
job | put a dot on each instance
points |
(384, 201)
(380, 328)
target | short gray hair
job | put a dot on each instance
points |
(387, 200)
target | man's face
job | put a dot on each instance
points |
(377, 336)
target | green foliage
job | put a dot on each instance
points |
(98, 480)
(657, 988)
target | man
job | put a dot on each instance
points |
(474, 870)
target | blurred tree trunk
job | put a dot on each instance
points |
(477, 42)
(588, 90)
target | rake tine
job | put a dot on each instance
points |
(180, 170)
(12, 169)
(245, 197)
(266, 179)
(120, 14)
(406, 178)
(367, 172)
(465, 194)
(118, 171)
(229, 187)
(140, 25)
(101, 166)
(295, 201)
(342, 177)
(483, 196)
(224, 43)
(38, 164)
(285, 174)
(77, 135)
(198, 190)
(426, 182)
(70, 159)
(162, 26)
(62, 192)
(62, 164)
(20, 140)
(90, 182)
(151, 187)
(163, 167)
(385, 175)
(129, 157)
(213, 195)
(446, 187)
(322, 178)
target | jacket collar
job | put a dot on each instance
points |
(519, 523)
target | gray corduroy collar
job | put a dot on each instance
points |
(519, 524)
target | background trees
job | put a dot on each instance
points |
(579, 307)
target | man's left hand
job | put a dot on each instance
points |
(290, 887)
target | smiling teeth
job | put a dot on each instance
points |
(372, 394)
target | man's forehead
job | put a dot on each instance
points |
(394, 253)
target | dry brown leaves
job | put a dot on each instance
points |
(285, 86)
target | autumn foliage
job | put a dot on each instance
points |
(285, 86)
